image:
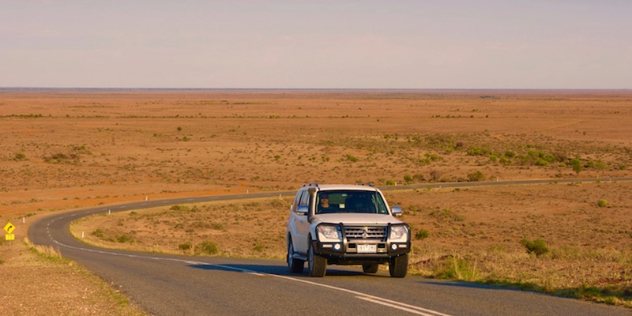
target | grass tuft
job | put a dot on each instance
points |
(46, 252)
(537, 247)
(206, 248)
(422, 234)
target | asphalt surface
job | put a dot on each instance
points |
(184, 285)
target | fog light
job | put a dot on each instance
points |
(337, 246)
(394, 246)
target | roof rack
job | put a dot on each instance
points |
(310, 184)
(368, 184)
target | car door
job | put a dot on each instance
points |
(291, 220)
(301, 225)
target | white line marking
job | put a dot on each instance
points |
(360, 294)
(401, 306)
(193, 262)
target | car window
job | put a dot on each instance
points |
(296, 201)
(304, 199)
(350, 201)
(379, 203)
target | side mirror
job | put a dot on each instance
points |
(302, 209)
(396, 210)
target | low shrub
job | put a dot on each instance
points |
(183, 208)
(351, 158)
(478, 151)
(541, 162)
(429, 158)
(537, 247)
(206, 248)
(408, 178)
(97, 233)
(599, 165)
(603, 203)
(124, 239)
(422, 234)
(185, 246)
(577, 165)
(475, 176)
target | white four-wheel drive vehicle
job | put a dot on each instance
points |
(346, 225)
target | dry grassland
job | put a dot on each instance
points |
(64, 149)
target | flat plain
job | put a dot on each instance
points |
(68, 149)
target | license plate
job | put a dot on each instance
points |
(367, 248)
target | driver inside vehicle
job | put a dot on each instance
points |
(323, 203)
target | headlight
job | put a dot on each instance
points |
(399, 233)
(328, 233)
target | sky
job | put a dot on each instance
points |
(368, 44)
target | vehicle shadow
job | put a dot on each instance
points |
(279, 270)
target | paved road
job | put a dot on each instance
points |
(182, 285)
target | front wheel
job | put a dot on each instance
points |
(317, 265)
(398, 266)
(294, 265)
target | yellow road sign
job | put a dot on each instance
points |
(9, 237)
(9, 228)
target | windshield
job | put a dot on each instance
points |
(368, 202)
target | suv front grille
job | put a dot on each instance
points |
(365, 232)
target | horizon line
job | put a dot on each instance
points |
(318, 89)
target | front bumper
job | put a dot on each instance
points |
(349, 249)
(367, 244)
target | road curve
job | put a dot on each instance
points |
(183, 285)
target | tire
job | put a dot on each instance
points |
(398, 266)
(293, 264)
(317, 265)
(370, 267)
